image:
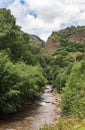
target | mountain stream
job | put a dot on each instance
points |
(36, 116)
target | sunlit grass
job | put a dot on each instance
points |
(71, 123)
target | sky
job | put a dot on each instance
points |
(42, 17)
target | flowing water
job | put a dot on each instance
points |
(36, 116)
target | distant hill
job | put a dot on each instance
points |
(70, 34)
(35, 40)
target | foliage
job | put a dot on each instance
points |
(73, 99)
(21, 76)
(66, 71)
(24, 66)
(19, 84)
(16, 42)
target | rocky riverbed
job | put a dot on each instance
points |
(42, 112)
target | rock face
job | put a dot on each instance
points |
(52, 45)
(77, 37)
(70, 34)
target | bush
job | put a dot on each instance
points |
(19, 84)
(73, 99)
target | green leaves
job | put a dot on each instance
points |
(73, 100)
(66, 70)
(19, 83)
(21, 77)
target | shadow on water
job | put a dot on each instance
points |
(35, 116)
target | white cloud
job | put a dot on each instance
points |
(51, 14)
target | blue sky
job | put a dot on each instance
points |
(41, 17)
(22, 1)
(33, 13)
(5, 3)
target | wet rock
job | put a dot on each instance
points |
(54, 102)
(48, 102)
(43, 104)
(48, 86)
(58, 111)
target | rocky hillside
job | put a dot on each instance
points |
(70, 34)
(36, 41)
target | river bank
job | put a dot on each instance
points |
(36, 116)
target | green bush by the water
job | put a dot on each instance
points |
(19, 84)
(66, 71)
(21, 76)
(73, 97)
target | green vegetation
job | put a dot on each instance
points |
(70, 123)
(19, 84)
(66, 71)
(73, 98)
(21, 75)
(25, 69)
(65, 33)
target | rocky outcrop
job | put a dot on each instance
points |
(77, 37)
(70, 34)
(52, 45)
